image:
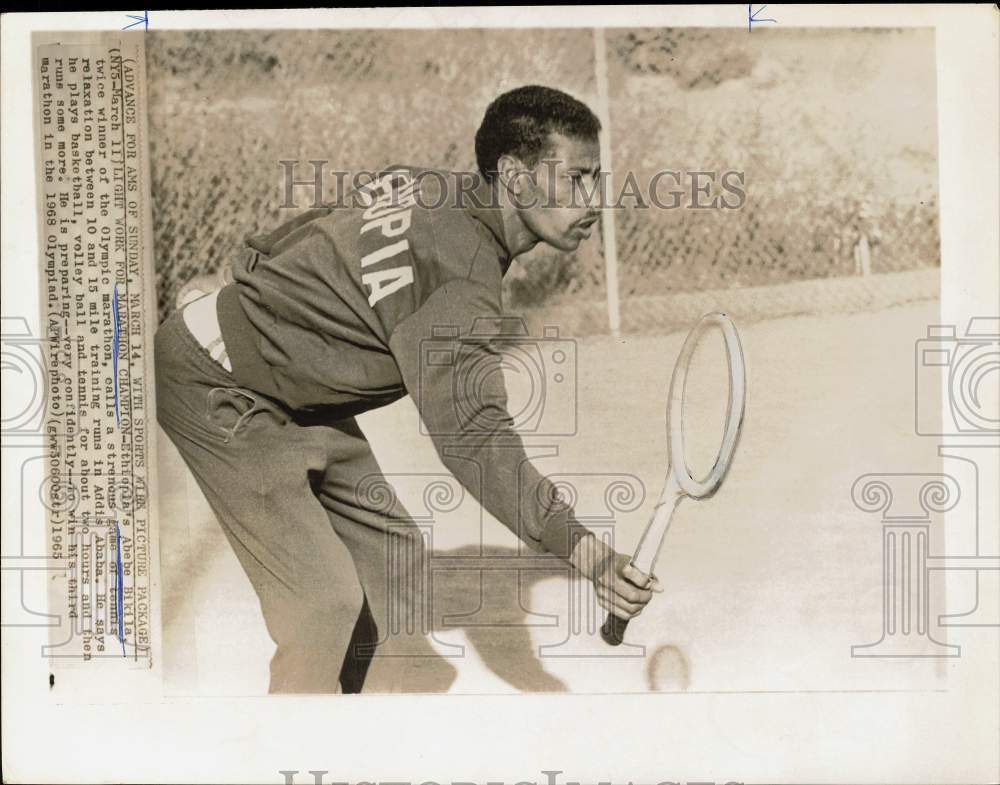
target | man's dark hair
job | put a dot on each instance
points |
(519, 123)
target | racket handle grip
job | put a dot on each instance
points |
(613, 630)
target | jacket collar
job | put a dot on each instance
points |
(483, 204)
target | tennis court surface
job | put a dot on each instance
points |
(766, 586)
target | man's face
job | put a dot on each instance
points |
(559, 199)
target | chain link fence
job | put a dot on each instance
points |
(831, 132)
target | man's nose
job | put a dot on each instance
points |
(594, 195)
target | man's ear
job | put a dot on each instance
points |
(513, 175)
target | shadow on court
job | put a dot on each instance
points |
(487, 605)
(767, 586)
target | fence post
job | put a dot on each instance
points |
(862, 256)
(607, 211)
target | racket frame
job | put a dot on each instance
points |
(679, 482)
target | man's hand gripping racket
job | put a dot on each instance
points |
(679, 482)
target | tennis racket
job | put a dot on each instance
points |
(679, 482)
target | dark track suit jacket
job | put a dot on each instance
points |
(349, 308)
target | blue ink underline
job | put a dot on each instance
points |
(119, 569)
(119, 588)
(116, 338)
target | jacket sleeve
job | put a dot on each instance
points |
(451, 365)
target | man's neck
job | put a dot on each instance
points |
(520, 239)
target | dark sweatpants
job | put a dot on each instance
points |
(334, 558)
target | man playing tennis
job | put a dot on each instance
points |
(258, 384)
